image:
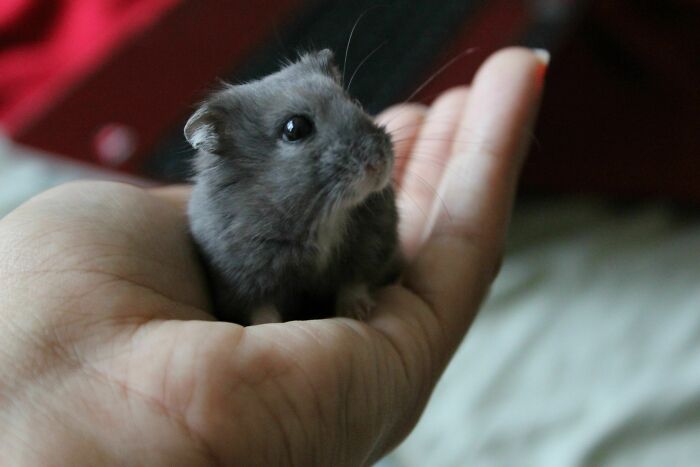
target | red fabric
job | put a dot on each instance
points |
(46, 45)
(126, 104)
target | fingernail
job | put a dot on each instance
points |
(543, 55)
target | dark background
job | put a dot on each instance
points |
(621, 112)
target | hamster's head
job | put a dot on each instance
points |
(294, 137)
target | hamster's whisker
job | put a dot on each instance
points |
(439, 162)
(352, 32)
(363, 62)
(432, 119)
(440, 70)
(414, 138)
(530, 133)
(432, 188)
(471, 146)
(435, 139)
(402, 191)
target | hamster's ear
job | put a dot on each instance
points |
(324, 61)
(203, 129)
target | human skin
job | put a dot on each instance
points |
(110, 354)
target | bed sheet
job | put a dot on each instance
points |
(587, 352)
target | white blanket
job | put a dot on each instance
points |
(587, 352)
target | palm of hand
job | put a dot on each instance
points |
(131, 360)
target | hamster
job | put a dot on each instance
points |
(293, 209)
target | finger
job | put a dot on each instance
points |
(491, 141)
(402, 122)
(458, 262)
(176, 195)
(426, 163)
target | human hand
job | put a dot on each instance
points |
(110, 356)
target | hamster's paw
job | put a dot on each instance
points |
(265, 314)
(354, 301)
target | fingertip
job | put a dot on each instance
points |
(543, 55)
(516, 61)
(537, 56)
(176, 195)
(506, 94)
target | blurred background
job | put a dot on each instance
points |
(588, 350)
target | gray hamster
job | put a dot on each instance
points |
(292, 209)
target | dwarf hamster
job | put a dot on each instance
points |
(292, 208)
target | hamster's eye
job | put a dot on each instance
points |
(296, 128)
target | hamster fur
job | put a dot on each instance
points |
(292, 208)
